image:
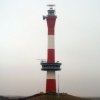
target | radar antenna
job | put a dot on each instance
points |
(51, 6)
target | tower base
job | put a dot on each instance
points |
(50, 86)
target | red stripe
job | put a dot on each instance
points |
(50, 85)
(50, 31)
(51, 55)
(51, 24)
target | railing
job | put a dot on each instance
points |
(50, 66)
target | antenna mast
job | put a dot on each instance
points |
(58, 84)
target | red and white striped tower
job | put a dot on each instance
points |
(51, 66)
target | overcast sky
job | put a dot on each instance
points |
(23, 40)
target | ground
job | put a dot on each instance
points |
(53, 96)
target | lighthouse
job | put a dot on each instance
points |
(51, 65)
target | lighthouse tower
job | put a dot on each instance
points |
(51, 65)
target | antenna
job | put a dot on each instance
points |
(58, 85)
(42, 60)
(51, 6)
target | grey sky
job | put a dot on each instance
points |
(23, 40)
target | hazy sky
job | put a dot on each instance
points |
(23, 40)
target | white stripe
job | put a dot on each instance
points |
(50, 74)
(50, 41)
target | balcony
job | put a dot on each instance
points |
(50, 66)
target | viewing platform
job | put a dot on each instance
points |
(50, 66)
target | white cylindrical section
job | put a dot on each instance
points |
(50, 74)
(50, 41)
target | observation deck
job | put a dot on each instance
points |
(50, 66)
